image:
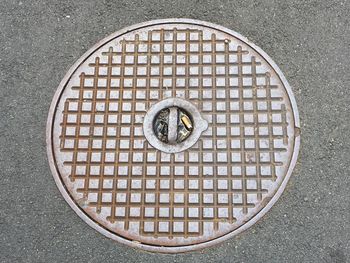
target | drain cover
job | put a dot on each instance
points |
(173, 135)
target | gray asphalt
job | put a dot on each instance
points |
(309, 40)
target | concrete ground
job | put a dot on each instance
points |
(309, 40)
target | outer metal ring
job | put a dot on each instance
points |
(106, 232)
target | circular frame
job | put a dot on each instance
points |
(153, 248)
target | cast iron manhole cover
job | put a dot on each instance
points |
(173, 135)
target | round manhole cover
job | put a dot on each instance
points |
(173, 135)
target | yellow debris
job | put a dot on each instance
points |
(187, 122)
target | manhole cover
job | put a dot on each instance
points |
(173, 135)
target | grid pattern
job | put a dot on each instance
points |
(221, 179)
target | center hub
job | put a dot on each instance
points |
(173, 125)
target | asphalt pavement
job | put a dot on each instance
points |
(309, 40)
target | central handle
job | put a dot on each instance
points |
(173, 125)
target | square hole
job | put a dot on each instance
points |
(150, 184)
(149, 211)
(164, 184)
(208, 170)
(151, 170)
(193, 184)
(263, 131)
(82, 156)
(208, 184)
(207, 59)
(221, 144)
(150, 198)
(193, 212)
(178, 227)
(237, 199)
(137, 170)
(234, 118)
(148, 226)
(96, 144)
(120, 211)
(94, 170)
(208, 212)
(262, 118)
(122, 184)
(264, 157)
(207, 144)
(80, 170)
(163, 226)
(178, 212)
(194, 70)
(134, 211)
(163, 212)
(223, 212)
(248, 106)
(164, 170)
(135, 197)
(193, 170)
(193, 198)
(168, 59)
(220, 82)
(222, 184)
(249, 144)
(222, 170)
(179, 184)
(236, 157)
(121, 197)
(234, 105)
(264, 143)
(167, 71)
(128, 71)
(123, 170)
(220, 58)
(207, 157)
(155, 48)
(126, 118)
(221, 131)
(164, 198)
(96, 157)
(235, 131)
(123, 157)
(193, 227)
(179, 170)
(236, 170)
(277, 130)
(265, 170)
(179, 198)
(248, 131)
(221, 118)
(194, 59)
(108, 170)
(221, 106)
(221, 157)
(251, 184)
(276, 118)
(250, 170)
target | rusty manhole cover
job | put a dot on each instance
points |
(173, 135)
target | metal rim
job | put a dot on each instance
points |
(153, 248)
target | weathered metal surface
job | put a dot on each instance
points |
(207, 188)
